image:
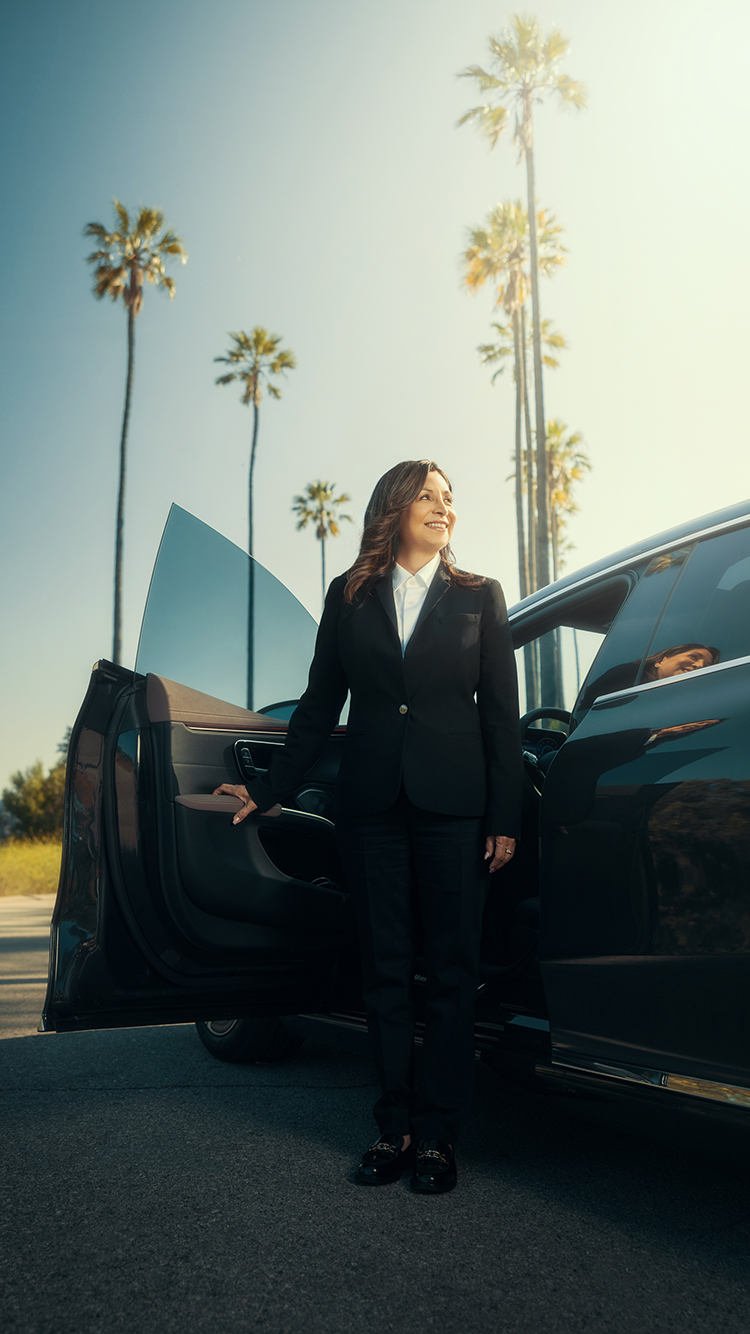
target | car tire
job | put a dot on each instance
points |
(245, 1040)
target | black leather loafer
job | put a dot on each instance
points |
(434, 1168)
(385, 1161)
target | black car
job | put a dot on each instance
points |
(616, 949)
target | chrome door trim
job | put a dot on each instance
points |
(268, 738)
(671, 680)
(628, 564)
(734, 1094)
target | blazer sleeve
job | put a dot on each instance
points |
(316, 714)
(497, 701)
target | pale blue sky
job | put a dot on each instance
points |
(308, 155)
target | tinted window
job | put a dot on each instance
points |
(197, 621)
(708, 617)
(618, 665)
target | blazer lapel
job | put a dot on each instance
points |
(384, 590)
(438, 588)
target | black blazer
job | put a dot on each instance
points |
(442, 718)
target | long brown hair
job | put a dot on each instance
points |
(395, 492)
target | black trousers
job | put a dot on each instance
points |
(398, 863)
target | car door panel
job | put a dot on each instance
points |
(132, 942)
(645, 877)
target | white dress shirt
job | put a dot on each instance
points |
(409, 593)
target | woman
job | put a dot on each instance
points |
(428, 793)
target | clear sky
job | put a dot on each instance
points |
(307, 154)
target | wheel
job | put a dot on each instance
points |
(245, 1040)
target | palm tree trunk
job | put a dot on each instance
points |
(323, 571)
(253, 448)
(523, 569)
(251, 571)
(530, 654)
(547, 668)
(530, 469)
(542, 531)
(120, 523)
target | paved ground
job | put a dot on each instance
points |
(24, 953)
(149, 1188)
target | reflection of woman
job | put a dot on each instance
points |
(674, 661)
(679, 659)
(431, 772)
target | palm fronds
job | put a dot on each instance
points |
(257, 356)
(524, 66)
(131, 251)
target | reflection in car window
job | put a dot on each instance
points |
(618, 666)
(195, 626)
(711, 604)
(678, 659)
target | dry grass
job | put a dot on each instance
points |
(29, 866)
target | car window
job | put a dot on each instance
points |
(196, 625)
(572, 651)
(618, 665)
(707, 620)
(558, 644)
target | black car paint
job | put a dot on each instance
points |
(646, 969)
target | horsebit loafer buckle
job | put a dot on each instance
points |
(384, 1161)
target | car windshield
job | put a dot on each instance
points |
(217, 621)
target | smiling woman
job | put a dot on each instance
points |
(431, 770)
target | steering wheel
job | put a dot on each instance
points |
(536, 768)
(560, 715)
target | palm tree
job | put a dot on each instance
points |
(126, 255)
(256, 358)
(528, 67)
(499, 253)
(515, 342)
(567, 463)
(318, 505)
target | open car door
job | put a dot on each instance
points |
(166, 912)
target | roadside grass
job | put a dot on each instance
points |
(29, 865)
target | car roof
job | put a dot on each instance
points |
(628, 555)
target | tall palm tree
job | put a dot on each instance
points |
(527, 65)
(567, 462)
(498, 252)
(319, 505)
(256, 357)
(513, 341)
(131, 251)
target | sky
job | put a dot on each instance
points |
(308, 156)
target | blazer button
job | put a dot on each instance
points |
(402, 708)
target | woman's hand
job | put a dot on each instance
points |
(237, 790)
(500, 849)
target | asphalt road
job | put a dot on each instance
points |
(148, 1188)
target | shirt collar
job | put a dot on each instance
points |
(424, 576)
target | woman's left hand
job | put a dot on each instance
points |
(500, 849)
